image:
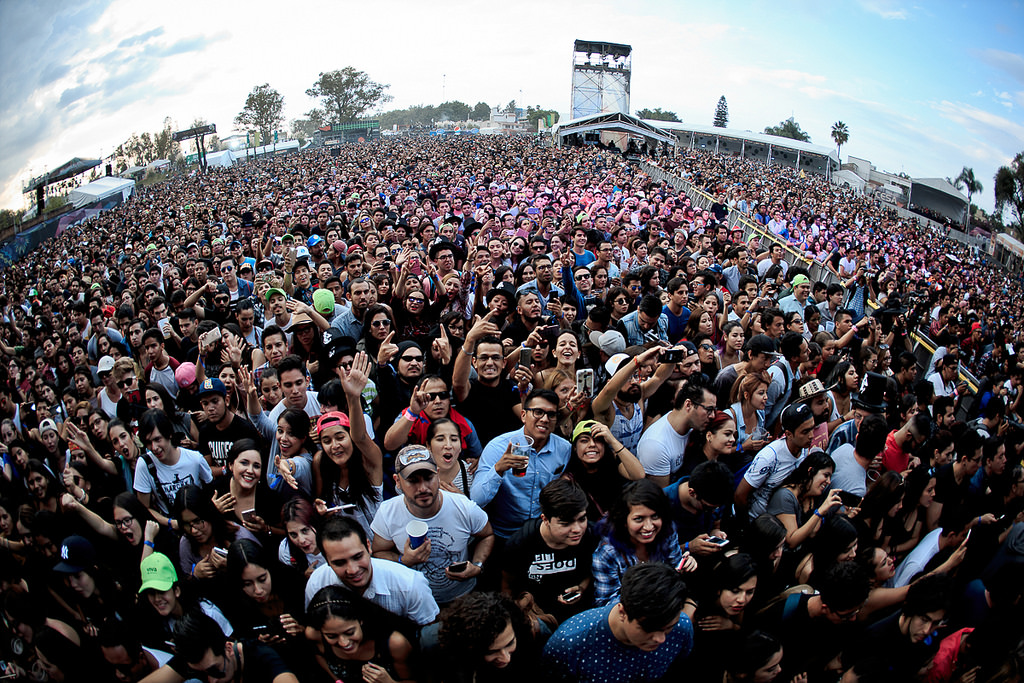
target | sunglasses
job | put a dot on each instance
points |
(226, 269)
(411, 359)
(381, 323)
(127, 382)
(435, 395)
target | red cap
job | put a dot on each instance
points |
(332, 419)
(975, 326)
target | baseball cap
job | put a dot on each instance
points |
(76, 554)
(413, 459)
(582, 428)
(314, 240)
(611, 366)
(185, 374)
(274, 290)
(301, 253)
(332, 419)
(339, 246)
(760, 343)
(158, 573)
(503, 289)
(212, 385)
(975, 326)
(323, 301)
(801, 280)
(106, 364)
(47, 425)
(795, 415)
(611, 342)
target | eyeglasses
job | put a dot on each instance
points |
(416, 300)
(380, 323)
(226, 269)
(411, 359)
(193, 524)
(435, 395)
(710, 410)
(540, 413)
(583, 276)
(127, 382)
(124, 522)
(445, 256)
(707, 347)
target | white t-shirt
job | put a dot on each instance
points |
(191, 468)
(941, 388)
(767, 471)
(661, 448)
(393, 586)
(451, 531)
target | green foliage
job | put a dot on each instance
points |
(657, 115)
(164, 145)
(481, 112)
(9, 218)
(263, 111)
(535, 114)
(510, 107)
(966, 181)
(788, 129)
(1009, 189)
(347, 94)
(721, 113)
(840, 134)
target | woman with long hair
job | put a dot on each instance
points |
(307, 342)
(844, 382)
(158, 398)
(800, 502)
(919, 493)
(378, 324)
(565, 352)
(571, 405)
(710, 363)
(749, 398)
(837, 542)
(717, 442)
(601, 466)
(44, 490)
(266, 599)
(638, 528)
(207, 534)
(718, 616)
(355, 644)
(298, 549)
(444, 439)
(701, 322)
(348, 469)
(483, 637)
(730, 351)
(757, 659)
(293, 463)
(525, 272)
(619, 301)
(249, 501)
(93, 594)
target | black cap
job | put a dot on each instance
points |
(795, 415)
(760, 343)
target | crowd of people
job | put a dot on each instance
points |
(483, 409)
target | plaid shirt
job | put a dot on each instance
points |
(611, 562)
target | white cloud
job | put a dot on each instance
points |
(885, 9)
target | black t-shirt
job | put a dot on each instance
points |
(884, 653)
(490, 409)
(533, 566)
(217, 443)
(947, 490)
(262, 664)
(809, 644)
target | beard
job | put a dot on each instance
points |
(631, 395)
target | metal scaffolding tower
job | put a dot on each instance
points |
(600, 78)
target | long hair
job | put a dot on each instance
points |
(298, 509)
(472, 622)
(637, 493)
(193, 499)
(359, 485)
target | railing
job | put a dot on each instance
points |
(924, 346)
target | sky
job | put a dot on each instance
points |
(924, 89)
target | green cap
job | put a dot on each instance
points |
(274, 290)
(157, 573)
(323, 301)
(583, 428)
(95, 285)
(801, 280)
(287, 236)
(151, 247)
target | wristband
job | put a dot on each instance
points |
(411, 416)
(686, 546)
(817, 513)
(471, 354)
(150, 544)
(170, 524)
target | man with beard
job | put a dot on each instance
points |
(661, 448)
(221, 311)
(362, 294)
(454, 521)
(530, 309)
(399, 368)
(620, 403)
(541, 286)
(222, 427)
(490, 400)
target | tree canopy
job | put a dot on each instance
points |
(657, 115)
(721, 113)
(840, 134)
(967, 182)
(347, 93)
(788, 129)
(1009, 189)
(263, 111)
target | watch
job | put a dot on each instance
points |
(479, 564)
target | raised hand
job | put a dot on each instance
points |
(387, 351)
(441, 347)
(356, 378)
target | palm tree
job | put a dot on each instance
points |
(840, 133)
(966, 181)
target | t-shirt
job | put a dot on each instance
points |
(767, 471)
(450, 532)
(191, 468)
(661, 448)
(676, 323)
(849, 476)
(584, 649)
(216, 443)
(533, 566)
(947, 490)
(490, 409)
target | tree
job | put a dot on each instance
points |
(263, 111)
(347, 93)
(10, 218)
(453, 111)
(481, 112)
(510, 108)
(721, 113)
(535, 114)
(657, 115)
(788, 129)
(304, 129)
(163, 142)
(840, 134)
(1009, 189)
(966, 181)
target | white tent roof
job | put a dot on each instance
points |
(777, 142)
(941, 185)
(99, 189)
(619, 122)
(222, 158)
(159, 163)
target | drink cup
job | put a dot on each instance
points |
(417, 531)
(521, 445)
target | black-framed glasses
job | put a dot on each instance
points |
(124, 522)
(193, 524)
(381, 323)
(710, 410)
(435, 395)
(127, 382)
(583, 276)
(707, 347)
(539, 413)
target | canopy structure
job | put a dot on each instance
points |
(937, 195)
(100, 189)
(610, 122)
(222, 158)
(62, 172)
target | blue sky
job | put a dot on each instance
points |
(925, 89)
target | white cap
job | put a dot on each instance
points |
(612, 366)
(106, 364)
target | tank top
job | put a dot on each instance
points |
(627, 430)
